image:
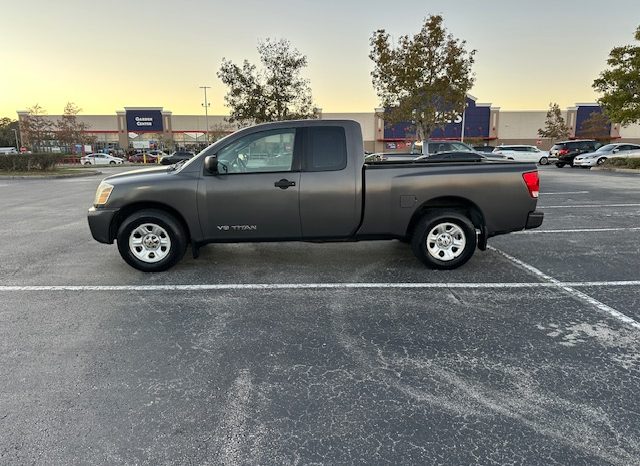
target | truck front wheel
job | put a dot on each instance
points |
(444, 240)
(151, 240)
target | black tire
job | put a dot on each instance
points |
(559, 164)
(419, 241)
(87, 163)
(172, 228)
(544, 161)
(601, 160)
(112, 163)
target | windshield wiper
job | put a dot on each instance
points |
(176, 165)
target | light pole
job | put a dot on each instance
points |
(206, 111)
(464, 108)
(15, 132)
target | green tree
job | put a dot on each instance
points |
(35, 128)
(7, 136)
(69, 130)
(597, 126)
(554, 125)
(425, 78)
(620, 84)
(275, 92)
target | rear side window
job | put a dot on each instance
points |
(326, 149)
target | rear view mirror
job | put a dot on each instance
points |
(211, 164)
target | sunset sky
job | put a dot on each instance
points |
(158, 52)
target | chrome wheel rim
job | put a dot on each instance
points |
(600, 161)
(149, 243)
(446, 241)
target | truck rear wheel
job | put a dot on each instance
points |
(151, 240)
(444, 240)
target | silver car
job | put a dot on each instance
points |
(622, 150)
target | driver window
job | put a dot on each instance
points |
(267, 151)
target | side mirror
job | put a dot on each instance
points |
(211, 164)
(615, 150)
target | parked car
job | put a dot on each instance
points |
(484, 149)
(461, 157)
(622, 150)
(421, 148)
(177, 156)
(524, 153)
(100, 159)
(566, 151)
(143, 158)
(309, 183)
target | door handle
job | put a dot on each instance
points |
(284, 183)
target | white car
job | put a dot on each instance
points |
(100, 159)
(619, 150)
(522, 153)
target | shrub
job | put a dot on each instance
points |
(622, 163)
(29, 162)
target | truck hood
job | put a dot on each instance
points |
(137, 174)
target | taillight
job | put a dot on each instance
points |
(563, 151)
(533, 183)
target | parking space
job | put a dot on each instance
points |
(324, 353)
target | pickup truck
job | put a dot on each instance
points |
(307, 181)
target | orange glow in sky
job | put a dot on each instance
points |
(157, 53)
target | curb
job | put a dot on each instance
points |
(51, 177)
(617, 170)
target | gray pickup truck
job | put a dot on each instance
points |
(307, 181)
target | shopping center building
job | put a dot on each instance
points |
(155, 127)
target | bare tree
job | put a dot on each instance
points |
(69, 130)
(35, 128)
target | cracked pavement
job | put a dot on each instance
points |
(320, 376)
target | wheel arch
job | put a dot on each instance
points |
(460, 204)
(124, 212)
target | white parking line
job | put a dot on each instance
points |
(568, 192)
(586, 206)
(300, 286)
(576, 230)
(571, 290)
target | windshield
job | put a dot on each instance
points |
(607, 148)
(204, 151)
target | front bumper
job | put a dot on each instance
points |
(534, 219)
(100, 223)
(585, 162)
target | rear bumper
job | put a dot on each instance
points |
(100, 224)
(534, 219)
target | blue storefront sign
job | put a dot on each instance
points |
(144, 120)
(583, 113)
(476, 124)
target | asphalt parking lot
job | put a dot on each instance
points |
(294, 353)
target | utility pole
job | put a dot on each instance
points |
(206, 111)
(15, 133)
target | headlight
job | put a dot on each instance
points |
(102, 194)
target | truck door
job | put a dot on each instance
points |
(330, 185)
(255, 194)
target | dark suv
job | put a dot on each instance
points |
(566, 151)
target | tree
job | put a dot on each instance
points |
(620, 84)
(7, 136)
(425, 79)
(35, 128)
(70, 131)
(275, 92)
(597, 126)
(554, 126)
